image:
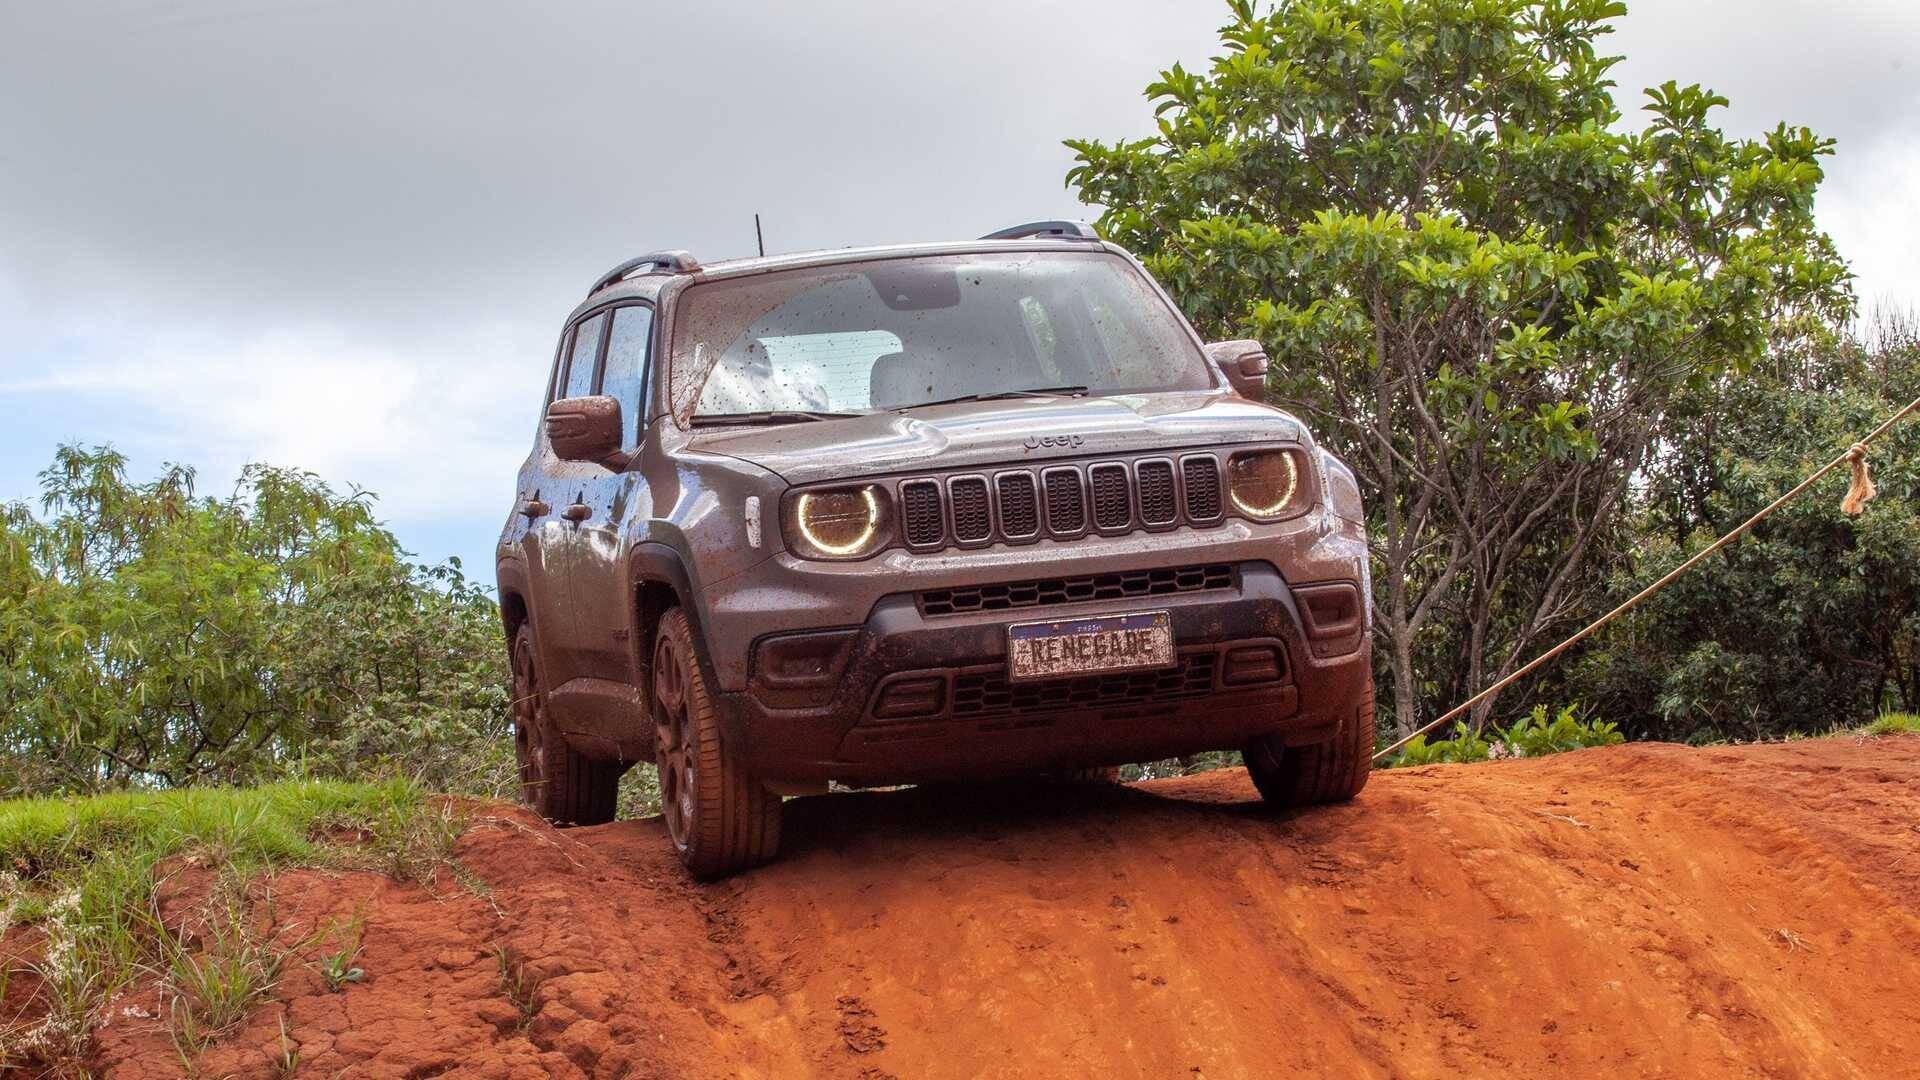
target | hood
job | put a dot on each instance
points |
(999, 433)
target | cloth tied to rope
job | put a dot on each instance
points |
(1861, 491)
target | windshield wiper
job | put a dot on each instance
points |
(767, 416)
(1002, 395)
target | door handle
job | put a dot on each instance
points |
(534, 508)
(577, 512)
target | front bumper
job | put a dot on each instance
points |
(835, 726)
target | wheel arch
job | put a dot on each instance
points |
(514, 611)
(661, 579)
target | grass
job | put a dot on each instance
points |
(215, 974)
(85, 871)
(517, 984)
(1894, 724)
(341, 966)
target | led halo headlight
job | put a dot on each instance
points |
(1265, 485)
(839, 523)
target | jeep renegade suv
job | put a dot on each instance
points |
(919, 513)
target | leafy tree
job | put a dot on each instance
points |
(1812, 621)
(149, 636)
(1488, 296)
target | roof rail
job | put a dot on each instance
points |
(1054, 230)
(673, 262)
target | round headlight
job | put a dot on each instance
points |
(842, 523)
(1265, 484)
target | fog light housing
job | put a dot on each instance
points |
(1250, 664)
(797, 671)
(1334, 616)
(904, 699)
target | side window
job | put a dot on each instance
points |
(586, 348)
(627, 364)
(557, 378)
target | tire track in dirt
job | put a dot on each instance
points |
(1611, 910)
(1642, 910)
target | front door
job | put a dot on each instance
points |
(600, 504)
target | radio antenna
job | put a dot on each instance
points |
(758, 238)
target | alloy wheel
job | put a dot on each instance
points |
(676, 750)
(529, 723)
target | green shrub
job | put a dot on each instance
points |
(1534, 735)
(1464, 746)
(150, 637)
(1809, 624)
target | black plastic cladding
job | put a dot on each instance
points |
(1045, 592)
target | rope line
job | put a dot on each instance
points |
(1855, 455)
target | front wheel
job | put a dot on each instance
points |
(720, 817)
(1328, 772)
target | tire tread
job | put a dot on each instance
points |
(737, 820)
(1329, 772)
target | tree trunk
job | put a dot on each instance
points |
(1400, 659)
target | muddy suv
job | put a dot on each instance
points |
(919, 513)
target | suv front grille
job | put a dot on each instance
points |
(991, 693)
(1112, 507)
(920, 513)
(1156, 492)
(1066, 504)
(1019, 506)
(1162, 581)
(972, 521)
(1203, 488)
(1019, 510)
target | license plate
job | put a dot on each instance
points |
(1068, 647)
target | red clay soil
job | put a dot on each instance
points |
(1645, 910)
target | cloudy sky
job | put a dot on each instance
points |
(341, 234)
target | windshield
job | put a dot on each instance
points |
(894, 334)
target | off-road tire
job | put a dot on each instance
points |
(1328, 772)
(561, 784)
(720, 817)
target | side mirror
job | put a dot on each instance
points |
(1244, 363)
(586, 429)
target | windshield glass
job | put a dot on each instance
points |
(896, 333)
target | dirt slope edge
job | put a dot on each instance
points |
(1643, 910)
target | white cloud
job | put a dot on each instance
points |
(342, 236)
(435, 427)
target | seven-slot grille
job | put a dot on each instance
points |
(1060, 500)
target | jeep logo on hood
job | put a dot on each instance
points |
(1054, 442)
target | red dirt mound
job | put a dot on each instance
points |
(1642, 910)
